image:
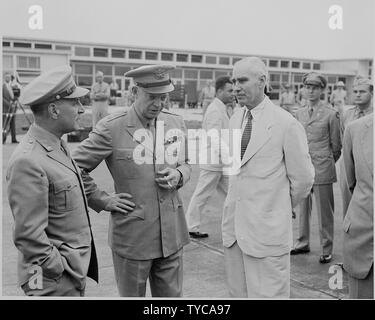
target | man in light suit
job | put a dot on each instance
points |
(359, 215)
(46, 194)
(274, 175)
(144, 150)
(8, 99)
(211, 176)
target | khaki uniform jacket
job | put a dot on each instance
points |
(216, 119)
(275, 174)
(324, 139)
(359, 218)
(48, 203)
(157, 226)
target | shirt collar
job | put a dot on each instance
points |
(257, 111)
(366, 111)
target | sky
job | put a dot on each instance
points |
(288, 28)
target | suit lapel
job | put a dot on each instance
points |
(367, 134)
(60, 157)
(260, 134)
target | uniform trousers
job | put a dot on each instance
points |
(59, 287)
(99, 111)
(362, 288)
(252, 277)
(208, 182)
(164, 274)
(325, 209)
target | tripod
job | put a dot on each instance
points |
(8, 117)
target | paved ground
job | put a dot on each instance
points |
(204, 274)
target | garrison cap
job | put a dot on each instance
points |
(315, 79)
(153, 78)
(340, 84)
(53, 85)
(362, 81)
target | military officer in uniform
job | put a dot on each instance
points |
(322, 126)
(46, 194)
(147, 243)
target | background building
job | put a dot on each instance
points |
(29, 57)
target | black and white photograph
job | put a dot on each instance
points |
(175, 149)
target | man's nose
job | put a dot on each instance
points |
(81, 109)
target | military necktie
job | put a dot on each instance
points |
(64, 148)
(361, 114)
(311, 110)
(246, 133)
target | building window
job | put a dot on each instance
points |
(43, 46)
(26, 62)
(150, 55)
(235, 59)
(167, 56)
(206, 74)
(295, 64)
(176, 73)
(60, 47)
(118, 53)
(197, 59)
(191, 74)
(297, 78)
(224, 60)
(6, 44)
(120, 70)
(22, 45)
(182, 57)
(284, 64)
(100, 52)
(106, 69)
(211, 59)
(316, 66)
(274, 77)
(84, 81)
(306, 65)
(82, 51)
(332, 80)
(220, 74)
(285, 77)
(274, 63)
(135, 54)
(83, 69)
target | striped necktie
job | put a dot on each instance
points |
(246, 134)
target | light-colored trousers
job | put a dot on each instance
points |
(208, 182)
(99, 111)
(164, 274)
(325, 209)
(251, 277)
(362, 288)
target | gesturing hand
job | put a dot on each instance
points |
(168, 178)
(119, 203)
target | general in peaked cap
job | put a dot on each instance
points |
(53, 85)
(153, 79)
(316, 79)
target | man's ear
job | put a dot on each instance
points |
(135, 90)
(53, 111)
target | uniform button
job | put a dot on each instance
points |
(161, 200)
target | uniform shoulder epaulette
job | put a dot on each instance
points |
(116, 115)
(351, 108)
(29, 145)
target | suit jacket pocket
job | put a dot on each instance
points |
(66, 195)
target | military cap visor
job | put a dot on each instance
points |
(153, 79)
(53, 85)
